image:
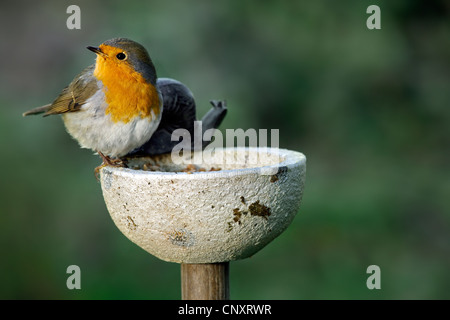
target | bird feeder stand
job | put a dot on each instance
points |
(205, 218)
(209, 281)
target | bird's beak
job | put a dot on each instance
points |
(96, 50)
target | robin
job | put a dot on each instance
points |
(118, 107)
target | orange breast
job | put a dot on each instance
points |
(127, 93)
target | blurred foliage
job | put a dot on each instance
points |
(370, 110)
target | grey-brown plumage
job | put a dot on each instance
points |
(71, 97)
(179, 111)
(84, 105)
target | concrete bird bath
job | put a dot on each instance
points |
(206, 216)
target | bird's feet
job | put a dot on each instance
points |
(107, 161)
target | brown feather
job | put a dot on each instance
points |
(37, 110)
(71, 97)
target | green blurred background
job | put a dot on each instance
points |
(369, 109)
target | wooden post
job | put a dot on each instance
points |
(209, 281)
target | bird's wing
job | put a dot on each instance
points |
(179, 113)
(71, 97)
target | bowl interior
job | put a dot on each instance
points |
(210, 160)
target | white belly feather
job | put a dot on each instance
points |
(93, 129)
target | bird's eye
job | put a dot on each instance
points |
(121, 56)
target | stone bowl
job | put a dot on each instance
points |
(206, 207)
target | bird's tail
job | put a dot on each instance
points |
(38, 110)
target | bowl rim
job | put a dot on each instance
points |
(290, 159)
